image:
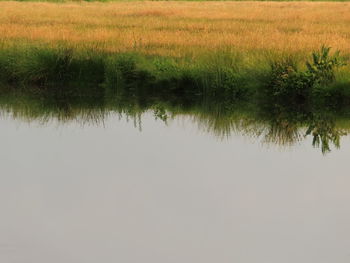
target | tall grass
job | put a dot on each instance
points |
(180, 29)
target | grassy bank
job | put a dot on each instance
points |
(227, 48)
(321, 79)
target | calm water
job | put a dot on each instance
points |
(108, 192)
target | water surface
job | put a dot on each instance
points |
(104, 191)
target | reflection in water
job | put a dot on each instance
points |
(325, 132)
(168, 194)
(221, 116)
(321, 126)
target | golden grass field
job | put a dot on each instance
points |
(180, 28)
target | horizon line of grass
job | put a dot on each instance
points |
(110, 1)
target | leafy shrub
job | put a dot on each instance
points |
(323, 65)
(287, 85)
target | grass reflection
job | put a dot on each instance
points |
(275, 123)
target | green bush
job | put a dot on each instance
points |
(290, 86)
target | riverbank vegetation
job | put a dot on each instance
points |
(320, 79)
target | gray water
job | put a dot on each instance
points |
(75, 193)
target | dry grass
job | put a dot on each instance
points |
(180, 28)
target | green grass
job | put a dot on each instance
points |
(224, 76)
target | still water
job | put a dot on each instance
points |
(107, 192)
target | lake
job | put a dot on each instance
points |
(160, 189)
